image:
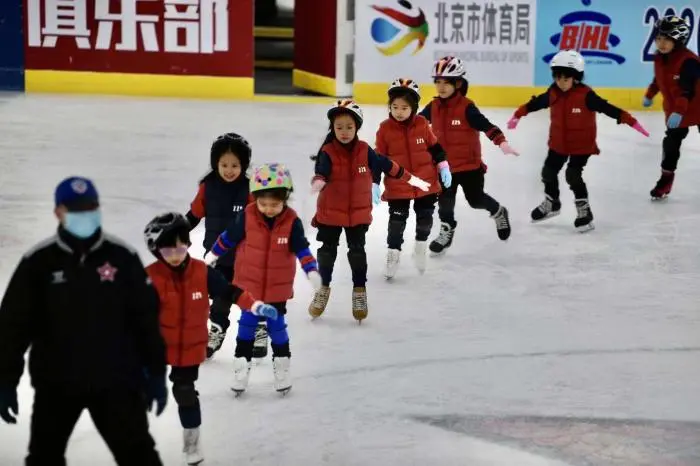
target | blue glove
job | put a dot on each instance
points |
(264, 310)
(674, 120)
(446, 177)
(8, 402)
(376, 194)
(646, 102)
(156, 391)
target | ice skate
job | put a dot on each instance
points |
(241, 374)
(502, 223)
(393, 256)
(444, 239)
(547, 209)
(584, 216)
(663, 186)
(260, 345)
(359, 303)
(193, 454)
(420, 258)
(216, 339)
(283, 379)
(320, 301)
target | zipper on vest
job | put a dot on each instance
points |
(179, 288)
(410, 161)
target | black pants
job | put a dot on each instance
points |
(220, 308)
(672, 147)
(574, 174)
(330, 237)
(118, 414)
(186, 396)
(472, 183)
(424, 207)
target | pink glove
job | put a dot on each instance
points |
(506, 149)
(513, 122)
(640, 128)
(317, 185)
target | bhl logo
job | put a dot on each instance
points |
(421, 140)
(196, 295)
(282, 241)
(362, 169)
(237, 208)
(456, 122)
(575, 110)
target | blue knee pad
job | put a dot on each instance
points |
(246, 325)
(277, 329)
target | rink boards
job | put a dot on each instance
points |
(205, 48)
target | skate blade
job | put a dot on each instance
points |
(659, 198)
(195, 462)
(284, 391)
(585, 228)
(546, 217)
(237, 393)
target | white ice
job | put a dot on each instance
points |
(550, 323)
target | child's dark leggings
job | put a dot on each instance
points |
(220, 308)
(672, 147)
(573, 174)
(186, 397)
(424, 207)
(329, 236)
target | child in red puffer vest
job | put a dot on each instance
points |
(407, 139)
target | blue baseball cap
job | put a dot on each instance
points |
(77, 193)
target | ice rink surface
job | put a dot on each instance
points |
(553, 348)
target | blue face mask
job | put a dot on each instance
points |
(82, 224)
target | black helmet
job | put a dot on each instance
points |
(231, 142)
(673, 27)
(165, 229)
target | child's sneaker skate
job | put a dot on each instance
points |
(193, 454)
(260, 345)
(502, 223)
(584, 216)
(393, 256)
(359, 303)
(548, 208)
(216, 339)
(320, 301)
(420, 258)
(283, 379)
(663, 186)
(241, 374)
(444, 239)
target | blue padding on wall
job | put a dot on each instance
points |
(11, 46)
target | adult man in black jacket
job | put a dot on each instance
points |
(83, 301)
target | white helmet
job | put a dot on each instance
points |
(404, 84)
(347, 106)
(568, 59)
(449, 67)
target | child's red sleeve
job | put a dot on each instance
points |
(431, 139)
(652, 90)
(197, 207)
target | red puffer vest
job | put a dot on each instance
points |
(460, 141)
(184, 311)
(667, 69)
(406, 143)
(265, 266)
(572, 128)
(346, 200)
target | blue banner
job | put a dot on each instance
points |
(11, 46)
(614, 36)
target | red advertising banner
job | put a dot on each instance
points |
(166, 37)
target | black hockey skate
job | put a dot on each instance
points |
(444, 239)
(548, 208)
(260, 345)
(216, 339)
(584, 216)
(663, 186)
(502, 223)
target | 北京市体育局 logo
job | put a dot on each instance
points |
(588, 32)
(389, 33)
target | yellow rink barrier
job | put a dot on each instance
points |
(132, 84)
